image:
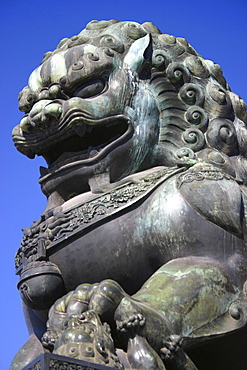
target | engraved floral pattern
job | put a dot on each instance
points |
(42, 235)
(201, 175)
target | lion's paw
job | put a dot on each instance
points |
(171, 347)
(49, 338)
(134, 321)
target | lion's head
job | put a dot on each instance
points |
(121, 97)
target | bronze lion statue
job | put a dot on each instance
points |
(140, 254)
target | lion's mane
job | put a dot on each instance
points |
(200, 118)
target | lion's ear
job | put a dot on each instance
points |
(139, 53)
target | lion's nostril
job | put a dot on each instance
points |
(27, 99)
(42, 115)
(31, 98)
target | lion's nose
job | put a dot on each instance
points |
(28, 98)
(43, 114)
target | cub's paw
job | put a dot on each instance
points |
(49, 338)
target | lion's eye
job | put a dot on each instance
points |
(90, 89)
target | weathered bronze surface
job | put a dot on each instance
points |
(50, 361)
(140, 254)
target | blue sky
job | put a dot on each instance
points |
(217, 29)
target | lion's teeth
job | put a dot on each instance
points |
(80, 130)
(43, 171)
(92, 152)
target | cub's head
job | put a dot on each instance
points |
(121, 97)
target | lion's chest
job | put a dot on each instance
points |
(133, 243)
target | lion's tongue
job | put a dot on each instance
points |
(80, 130)
(68, 157)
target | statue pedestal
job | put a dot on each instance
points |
(49, 361)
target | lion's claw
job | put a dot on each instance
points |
(132, 322)
(49, 338)
(171, 346)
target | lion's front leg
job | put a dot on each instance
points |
(175, 355)
(150, 337)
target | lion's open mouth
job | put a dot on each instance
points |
(74, 141)
(88, 143)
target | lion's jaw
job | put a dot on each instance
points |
(81, 138)
(110, 156)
